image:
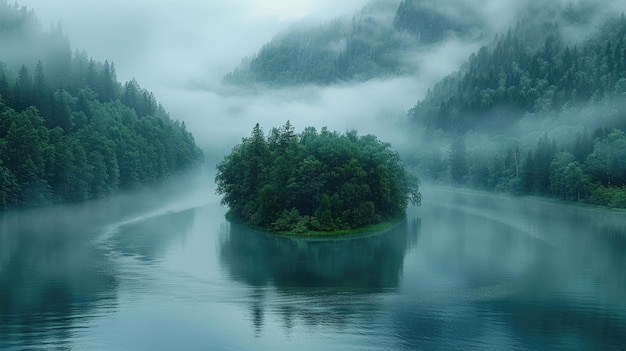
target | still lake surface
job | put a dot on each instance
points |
(163, 270)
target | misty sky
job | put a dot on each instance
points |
(169, 47)
(148, 39)
(181, 50)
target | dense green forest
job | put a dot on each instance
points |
(534, 119)
(69, 131)
(508, 79)
(314, 181)
(375, 43)
(539, 110)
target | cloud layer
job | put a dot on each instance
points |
(170, 47)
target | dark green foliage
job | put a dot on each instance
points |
(546, 169)
(458, 160)
(341, 50)
(607, 162)
(70, 133)
(538, 78)
(428, 23)
(314, 181)
(373, 44)
(567, 178)
(510, 78)
(536, 175)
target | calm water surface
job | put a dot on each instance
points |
(163, 270)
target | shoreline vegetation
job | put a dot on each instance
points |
(540, 198)
(312, 234)
(322, 184)
(69, 130)
(544, 122)
(534, 111)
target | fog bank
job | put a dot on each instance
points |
(181, 51)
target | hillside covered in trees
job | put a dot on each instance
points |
(535, 113)
(539, 110)
(314, 181)
(69, 131)
(510, 78)
(376, 42)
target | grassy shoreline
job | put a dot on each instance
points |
(372, 228)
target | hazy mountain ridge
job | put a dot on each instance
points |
(516, 76)
(379, 41)
(386, 39)
(69, 131)
(536, 112)
(430, 22)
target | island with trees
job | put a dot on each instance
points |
(536, 110)
(315, 183)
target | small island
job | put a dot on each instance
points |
(315, 183)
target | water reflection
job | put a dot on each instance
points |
(366, 263)
(553, 275)
(587, 242)
(57, 271)
(320, 281)
(561, 321)
(489, 272)
(51, 277)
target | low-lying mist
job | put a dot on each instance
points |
(182, 51)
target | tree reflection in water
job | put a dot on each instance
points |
(320, 281)
(55, 275)
(51, 276)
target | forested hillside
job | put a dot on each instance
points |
(376, 42)
(508, 79)
(539, 110)
(69, 131)
(535, 113)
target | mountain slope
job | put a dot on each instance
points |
(515, 76)
(69, 131)
(377, 42)
(538, 111)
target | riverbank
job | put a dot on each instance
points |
(545, 199)
(373, 228)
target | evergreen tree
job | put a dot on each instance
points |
(22, 92)
(65, 135)
(314, 181)
(458, 160)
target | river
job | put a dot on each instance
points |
(163, 270)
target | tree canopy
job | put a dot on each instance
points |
(69, 131)
(537, 111)
(372, 44)
(520, 74)
(314, 181)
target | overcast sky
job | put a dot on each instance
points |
(169, 45)
(148, 39)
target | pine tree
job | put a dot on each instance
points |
(458, 160)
